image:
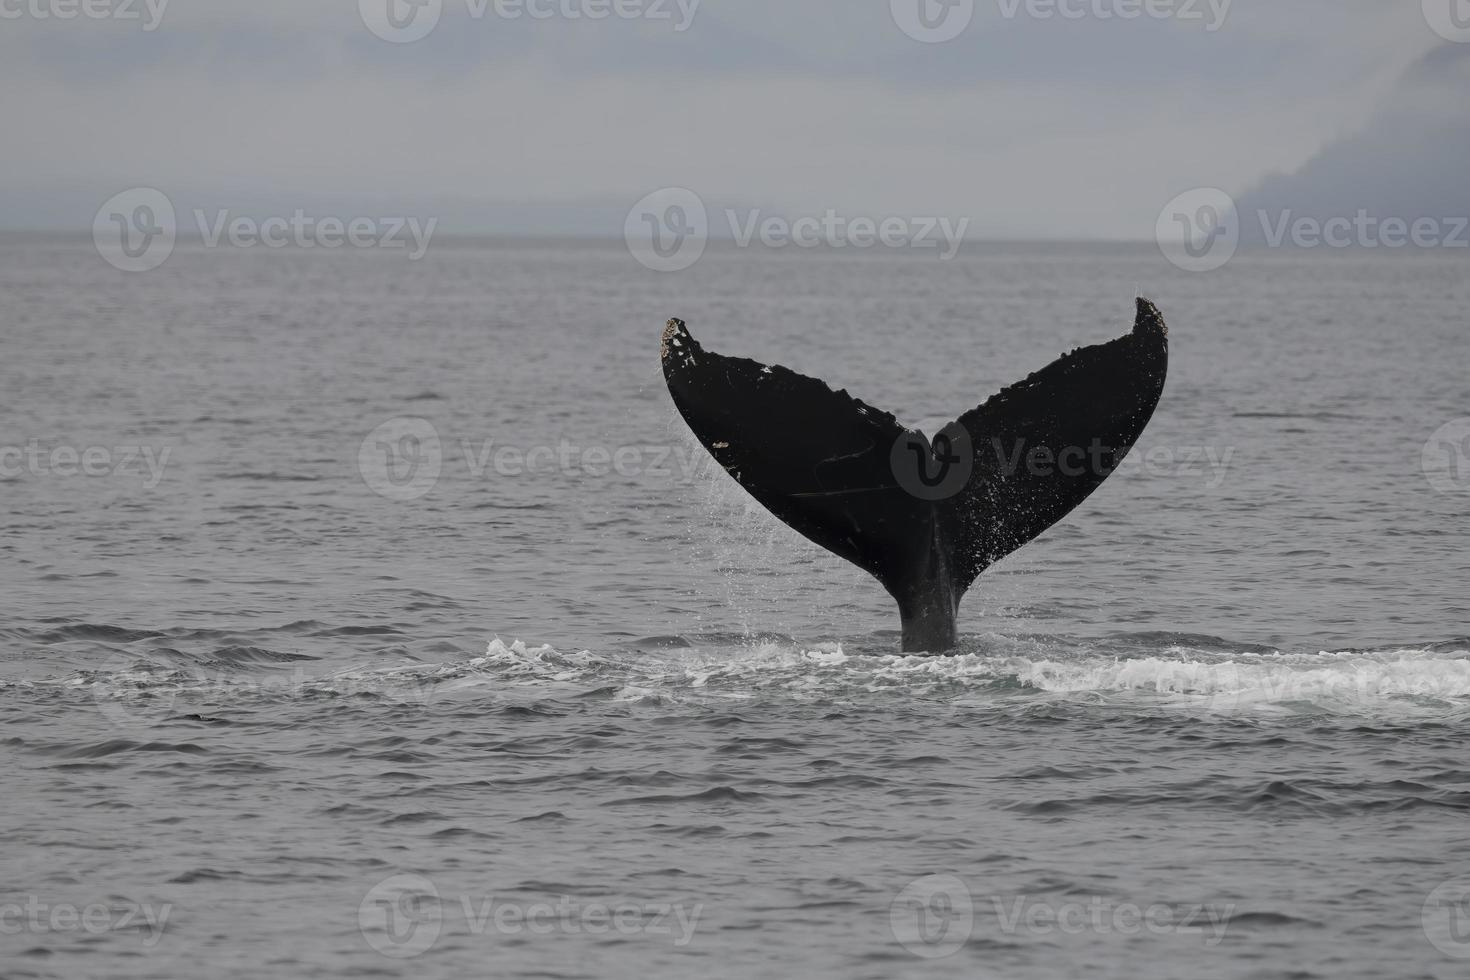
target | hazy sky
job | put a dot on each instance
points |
(1030, 125)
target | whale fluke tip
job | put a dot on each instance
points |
(1149, 320)
(675, 336)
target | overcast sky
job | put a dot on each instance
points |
(1031, 126)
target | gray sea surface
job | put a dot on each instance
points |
(367, 617)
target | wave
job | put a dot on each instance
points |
(1203, 677)
(1130, 672)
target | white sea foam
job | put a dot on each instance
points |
(1179, 675)
(1324, 679)
(1057, 671)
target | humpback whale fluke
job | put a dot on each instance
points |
(924, 518)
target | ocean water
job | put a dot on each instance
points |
(366, 617)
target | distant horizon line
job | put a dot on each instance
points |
(610, 238)
(470, 238)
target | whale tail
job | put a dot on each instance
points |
(925, 517)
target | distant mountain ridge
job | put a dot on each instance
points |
(1408, 163)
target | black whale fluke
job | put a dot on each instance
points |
(923, 517)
